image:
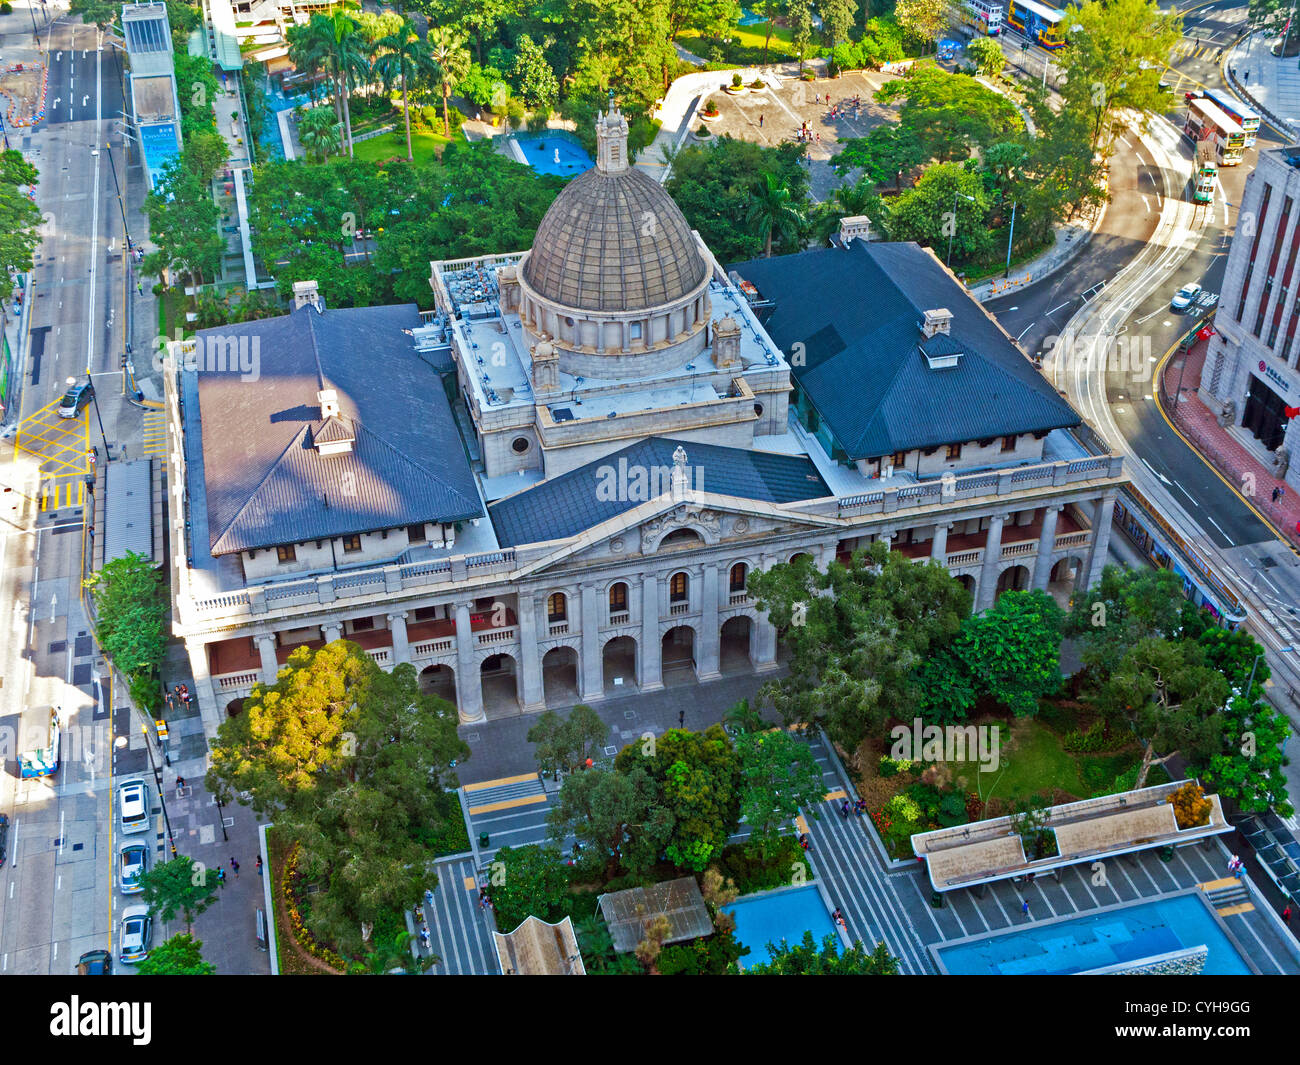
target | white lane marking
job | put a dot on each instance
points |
(1220, 528)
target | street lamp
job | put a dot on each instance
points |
(955, 195)
(121, 206)
(95, 400)
(1250, 685)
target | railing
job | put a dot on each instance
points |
(963, 558)
(1021, 547)
(675, 609)
(380, 655)
(231, 681)
(1073, 539)
(494, 636)
(559, 628)
(738, 599)
(432, 647)
(620, 618)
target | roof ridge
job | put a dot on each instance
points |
(270, 470)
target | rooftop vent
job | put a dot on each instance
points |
(329, 403)
(938, 320)
(941, 351)
(306, 294)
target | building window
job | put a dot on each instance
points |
(287, 553)
(352, 543)
(898, 459)
(678, 588)
(953, 452)
(738, 574)
(415, 533)
(557, 607)
(634, 331)
(618, 598)
(519, 445)
(758, 409)
(1008, 443)
(1254, 251)
(362, 624)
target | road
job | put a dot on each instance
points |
(56, 898)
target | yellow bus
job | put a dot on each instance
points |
(1043, 25)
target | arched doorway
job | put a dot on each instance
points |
(440, 681)
(560, 677)
(1065, 578)
(1012, 579)
(500, 686)
(618, 663)
(734, 652)
(678, 655)
(966, 581)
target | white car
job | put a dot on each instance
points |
(137, 934)
(133, 860)
(1185, 297)
(133, 806)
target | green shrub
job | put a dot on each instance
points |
(1096, 738)
(743, 863)
(6, 8)
(888, 767)
(952, 810)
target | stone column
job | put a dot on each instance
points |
(532, 695)
(1046, 545)
(204, 691)
(401, 645)
(939, 546)
(650, 650)
(1103, 511)
(710, 636)
(469, 685)
(270, 667)
(331, 631)
(591, 681)
(988, 588)
(764, 633)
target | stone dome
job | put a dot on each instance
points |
(613, 240)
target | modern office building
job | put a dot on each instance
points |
(155, 107)
(553, 487)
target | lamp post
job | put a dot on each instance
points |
(1250, 685)
(108, 150)
(120, 743)
(94, 399)
(1011, 236)
(952, 233)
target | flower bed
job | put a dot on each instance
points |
(292, 889)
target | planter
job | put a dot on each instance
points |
(735, 90)
(710, 117)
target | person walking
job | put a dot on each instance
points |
(180, 782)
(1286, 914)
(844, 809)
(235, 866)
(259, 865)
(681, 718)
(760, 121)
(1276, 495)
(1024, 907)
(221, 874)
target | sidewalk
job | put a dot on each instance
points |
(1220, 447)
(1269, 83)
(1070, 239)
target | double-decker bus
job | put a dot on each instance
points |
(1207, 122)
(1043, 25)
(1246, 117)
(984, 16)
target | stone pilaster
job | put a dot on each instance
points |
(331, 631)
(649, 649)
(710, 636)
(266, 649)
(204, 690)
(1103, 511)
(1046, 545)
(988, 588)
(591, 681)
(401, 644)
(469, 685)
(532, 695)
(939, 545)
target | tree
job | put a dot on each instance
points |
(800, 28)
(183, 221)
(988, 56)
(403, 58)
(778, 777)
(1012, 652)
(479, 18)
(857, 634)
(1114, 61)
(1249, 767)
(618, 815)
(206, 152)
(1237, 655)
(656, 930)
(318, 130)
(179, 956)
(101, 13)
(1171, 698)
(131, 606)
(950, 115)
(527, 881)
(808, 959)
(772, 212)
(20, 218)
(837, 15)
(771, 10)
(567, 743)
(534, 79)
(922, 19)
(884, 155)
(451, 61)
(334, 45)
(178, 886)
(945, 209)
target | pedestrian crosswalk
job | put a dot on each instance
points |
(155, 432)
(62, 494)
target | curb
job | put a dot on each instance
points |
(1227, 70)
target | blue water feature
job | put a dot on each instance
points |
(748, 18)
(553, 153)
(777, 915)
(1109, 938)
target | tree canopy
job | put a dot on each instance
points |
(829, 959)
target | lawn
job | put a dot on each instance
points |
(745, 44)
(424, 146)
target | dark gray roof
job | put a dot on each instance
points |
(626, 912)
(858, 312)
(263, 481)
(573, 502)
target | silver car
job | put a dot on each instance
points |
(1185, 297)
(137, 934)
(133, 806)
(133, 861)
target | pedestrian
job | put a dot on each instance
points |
(1276, 495)
(760, 121)
(844, 809)
(428, 897)
(1024, 907)
(1234, 863)
(819, 136)
(180, 782)
(259, 865)
(1286, 914)
(1246, 78)
(235, 866)
(681, 718)
(221, 875)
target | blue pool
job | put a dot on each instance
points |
(777, 915)
(553, 153)
(1109, 938)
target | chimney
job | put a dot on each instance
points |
(306, 293)
(329, 402)
(508, 286)
(726, 343)
(936, 321)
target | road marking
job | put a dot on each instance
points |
(1055, 309)
(500, 782)
(506, 804)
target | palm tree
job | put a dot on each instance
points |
(773, 213)
(333, 44)
(318, 130)
(448, 52)
(404, 57)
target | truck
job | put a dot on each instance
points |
(1207, 172)
(43, 761)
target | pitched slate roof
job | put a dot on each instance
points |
(573, 502)
(858, 312)
(264, 481)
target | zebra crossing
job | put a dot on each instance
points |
(460, 931)
(155, 432)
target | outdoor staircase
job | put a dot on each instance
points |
(1226, 894)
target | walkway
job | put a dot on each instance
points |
(1271, 83)
(461, 933)
(1224, 449)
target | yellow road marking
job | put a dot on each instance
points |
(838, 793)
(1215, 885)
(1229, 911)
(500, 782)
(470, 883)
(801, 824)
(508, 804)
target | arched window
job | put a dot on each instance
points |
(618, 598)
(801, 554)
(557, 607)
(738, 574)
(678, 588)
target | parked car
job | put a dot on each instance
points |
(95, 963)
(133, 806)
(137, 934)
(4, 839)
(133, 860)
(1185, 297)
(76, 399)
